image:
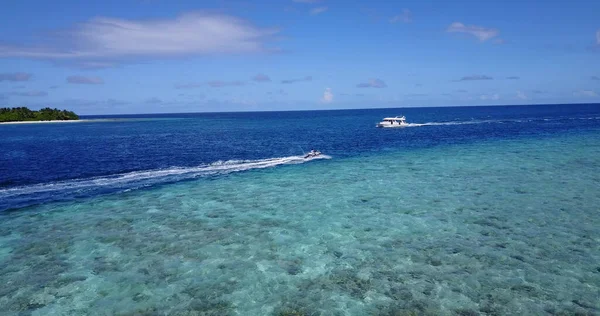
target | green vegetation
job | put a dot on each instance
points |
(24, 114)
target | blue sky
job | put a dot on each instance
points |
(158, 56)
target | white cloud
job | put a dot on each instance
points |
(212, 84)
(307, 1)
(220, 84)
(405, 17)
(585, 93)
(240, 101)
(261, 78)
(189, 85)
(521, 95)
(154, 100)
(188, 34)
(373, 83)
(94, 65)
(84, 80)
(277, 92)
(476, 77)
(493, 97)
(318, 10)
(15, 76)
(482, 33)
(327, 96)
(288, 81)
(35, 93)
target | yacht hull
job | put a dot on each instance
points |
(393, 122)
(391, 126)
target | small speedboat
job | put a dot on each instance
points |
(398, 121)
(312, 153)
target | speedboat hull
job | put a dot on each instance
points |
(312, 155)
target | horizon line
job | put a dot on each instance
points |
(345, 109)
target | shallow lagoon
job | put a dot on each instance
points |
(501, 227)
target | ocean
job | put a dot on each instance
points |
(467, 211)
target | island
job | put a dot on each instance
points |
(23, 114)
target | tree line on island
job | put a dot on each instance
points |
(20, 114)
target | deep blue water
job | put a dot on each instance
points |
(37, 154)
(468, 211)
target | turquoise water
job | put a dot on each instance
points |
(494, 227)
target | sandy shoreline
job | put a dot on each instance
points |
(59, 121)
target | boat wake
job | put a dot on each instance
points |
(507, 121)
(442, 123)
(61, 190)
(465, 122)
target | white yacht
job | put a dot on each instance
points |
(398, 121)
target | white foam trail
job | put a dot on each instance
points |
(451, 123)
(441, 123)
(523, 120)
(150, 177)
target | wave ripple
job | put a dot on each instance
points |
(61, 190)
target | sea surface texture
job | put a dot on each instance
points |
(468, 211)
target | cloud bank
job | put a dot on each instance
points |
(186, 35)
(318, 10)
(30, 94)
(188, 85)
(15, 76)
(220, 84)
(327, 96)
(373, 83)
(493, 97)
(212, 84)
(154, 100)
(261, 78)
(84, 80)
(475, 77)
(481, 33)
(404, 17)
(585, 93)
(288, 81)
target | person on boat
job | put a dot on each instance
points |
(312, 153)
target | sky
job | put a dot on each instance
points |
(159, 56)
